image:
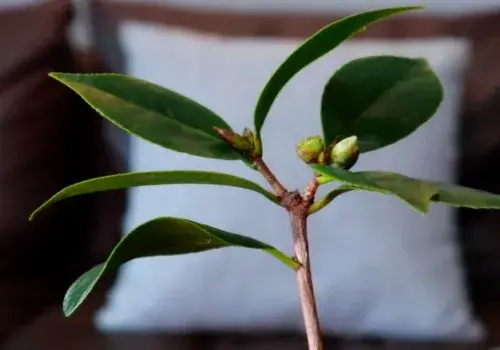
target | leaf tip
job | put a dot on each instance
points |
(33, 214)
(56, 75)
(37, 211)
(67, 311)
(80, 289)
(69, 306)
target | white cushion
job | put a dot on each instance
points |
(379, 266)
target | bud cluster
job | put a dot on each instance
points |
(246, 143)
(342, 153)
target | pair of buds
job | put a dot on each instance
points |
(342, 153)
(312, 150)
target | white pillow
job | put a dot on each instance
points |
(379, 266)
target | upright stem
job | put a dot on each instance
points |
(304, 278)
(298, 207)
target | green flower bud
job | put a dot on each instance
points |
(249, 136)
(310, 148)
(345, 153)
(238, 142)
(324, 157)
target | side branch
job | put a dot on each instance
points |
(279, 190)
(310, 191)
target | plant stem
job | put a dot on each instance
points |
(298, 207)
(279, 190)
(304, 278)
(310, 190)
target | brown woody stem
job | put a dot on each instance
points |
(310, 190)
(304, 278)
(279, 190)
(298, 207)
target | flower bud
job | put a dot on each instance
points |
(310, 148)
(256, 150)
(249, 136)
(238, 142)
(345, 153)
(324, 157)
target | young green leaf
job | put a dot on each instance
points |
(119, 181)
(380, 99)
(163, 236)
(323, 202)
(460, 196)
(417, 193)
(315, 47)
(153, 113)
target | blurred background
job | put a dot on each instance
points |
(385, 277)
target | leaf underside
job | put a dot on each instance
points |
(460, 196)
(418, 193)
(415, 192)
(160, 237)
(126, 180)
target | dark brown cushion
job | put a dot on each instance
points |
(49, 138)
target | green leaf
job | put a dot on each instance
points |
(163, 236)
(153, 113)
(380, 99)
(460, 196)
(417, 193)
(313, 48)
(119, 181)
(323, 202)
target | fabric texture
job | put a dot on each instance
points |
(366, 266)
(48, 139)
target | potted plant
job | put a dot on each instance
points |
(361, 110)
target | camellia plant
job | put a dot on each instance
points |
(367, 104)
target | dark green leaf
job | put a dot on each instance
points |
(460, 196)
(315, 47)
(153, 113)
(119, 181)
(379, 99)
(163, 236)
(417, 193)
